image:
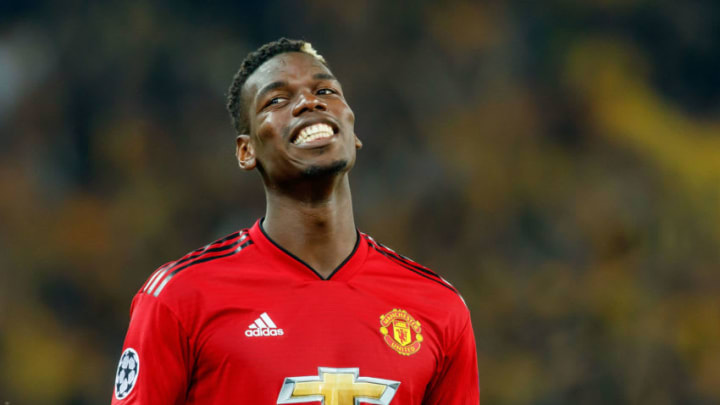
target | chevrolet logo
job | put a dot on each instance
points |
(337, 386)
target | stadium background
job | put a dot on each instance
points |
(558, 161)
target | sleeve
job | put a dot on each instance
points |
(155, 364)
(457, 381)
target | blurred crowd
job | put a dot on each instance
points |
(558, 162)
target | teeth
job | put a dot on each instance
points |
(313, 132)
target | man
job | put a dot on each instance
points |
(301, 307)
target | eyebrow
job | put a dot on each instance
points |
(270, 87)
(323, 76)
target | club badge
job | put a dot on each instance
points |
(401, 331)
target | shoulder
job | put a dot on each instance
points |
(413, 270)
(441, 305)
(175, 274)
(178, 290)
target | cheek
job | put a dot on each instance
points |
(346, 117)
(349, 114)
(271, 149)
(268, 132)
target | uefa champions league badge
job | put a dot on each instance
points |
(127, 373)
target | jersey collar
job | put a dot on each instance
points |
(342, 272)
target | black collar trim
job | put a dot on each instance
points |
(287, 252)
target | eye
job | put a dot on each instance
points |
(326, 91)
(274, 100)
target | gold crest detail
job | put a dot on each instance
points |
(401, 331)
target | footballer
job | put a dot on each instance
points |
(301, 307)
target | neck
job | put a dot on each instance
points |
(316, 226)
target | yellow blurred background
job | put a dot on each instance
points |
(559, 162)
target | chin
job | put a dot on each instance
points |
(331, 169)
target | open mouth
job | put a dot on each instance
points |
(314, 132)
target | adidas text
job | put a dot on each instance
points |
(263, 332)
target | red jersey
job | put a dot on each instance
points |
(243, 321)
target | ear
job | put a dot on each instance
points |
(245, 152)
(358, 142)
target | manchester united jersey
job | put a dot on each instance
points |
(243, 321)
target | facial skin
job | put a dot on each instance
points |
(287, 93)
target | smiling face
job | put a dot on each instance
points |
(300, 124)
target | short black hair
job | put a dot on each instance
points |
(253, 61)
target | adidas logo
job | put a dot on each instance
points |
(263, 326)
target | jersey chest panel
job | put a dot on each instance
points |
(316, 324)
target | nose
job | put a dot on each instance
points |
(308, 102)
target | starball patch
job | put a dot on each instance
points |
(127, 373)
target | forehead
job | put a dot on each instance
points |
(287, 67)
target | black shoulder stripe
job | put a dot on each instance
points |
(163, 270)
(219, 241)
(207, 259)
(209, 249)
(229, 237)
(402, 264)
(402, 259)
(398, 256)
(202, 259)
(165, 273)
(411, 263)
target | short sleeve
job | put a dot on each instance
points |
(457, 381)
(154, 366)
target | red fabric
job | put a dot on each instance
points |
(192, 344)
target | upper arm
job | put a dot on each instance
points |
(156, 363)
(456, 383)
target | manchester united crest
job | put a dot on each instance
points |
(401, 331)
